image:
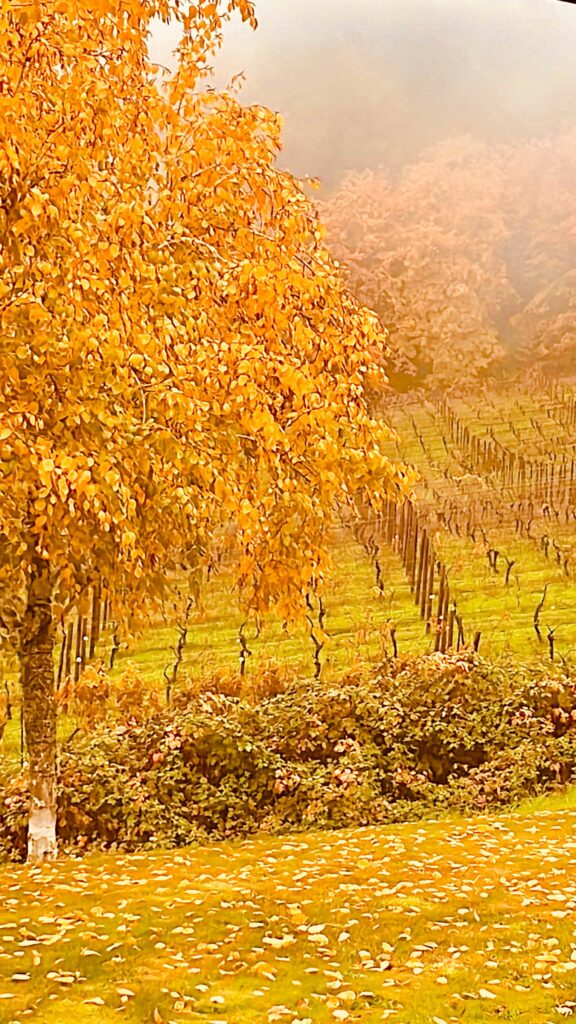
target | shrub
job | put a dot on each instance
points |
(413, 739)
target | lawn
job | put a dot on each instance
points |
(443, 922)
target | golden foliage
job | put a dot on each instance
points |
(177, 350)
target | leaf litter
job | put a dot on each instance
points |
(437, 923)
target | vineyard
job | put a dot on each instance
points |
(484, 556)
(490, 553)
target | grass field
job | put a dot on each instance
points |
(356, 618)
(444, 922)
(524, 422)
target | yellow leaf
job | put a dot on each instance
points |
(220, 489)
(45, 472)
(82, 480)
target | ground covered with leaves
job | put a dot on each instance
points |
(438, 923)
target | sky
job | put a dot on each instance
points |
(367, 83)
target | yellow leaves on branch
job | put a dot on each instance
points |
(180, 360)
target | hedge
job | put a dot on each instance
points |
(413, 739)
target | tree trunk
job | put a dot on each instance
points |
(39, 705)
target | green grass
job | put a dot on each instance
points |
(462, 921)
(562, 800)
(356, 618)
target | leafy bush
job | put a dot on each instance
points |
(413, 739)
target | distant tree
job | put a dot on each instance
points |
(541, 251)
(421, 250)
(467, 256)
(177, 350)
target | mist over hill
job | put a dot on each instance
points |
(375, 82)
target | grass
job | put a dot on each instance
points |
(563, 799)
(443, 922)
(356, 618)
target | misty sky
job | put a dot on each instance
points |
(370, 82)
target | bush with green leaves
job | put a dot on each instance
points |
(413, 739)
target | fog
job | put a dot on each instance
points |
(365, 83)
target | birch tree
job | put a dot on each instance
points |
(177, 350)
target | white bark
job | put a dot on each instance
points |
(42, 828)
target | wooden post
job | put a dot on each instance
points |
(94, 621)
(428, 596)
(69, 654)
(410, 545)
(79, 646)
(407, 535)
(450, 637)
(440, 606)
(421, 567)
(444, 616)
(62, 658)
(384, 521)
(398, 540)
(425, 578)
(413, 554)
(393, 509)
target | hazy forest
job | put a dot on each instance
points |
(287, 511)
